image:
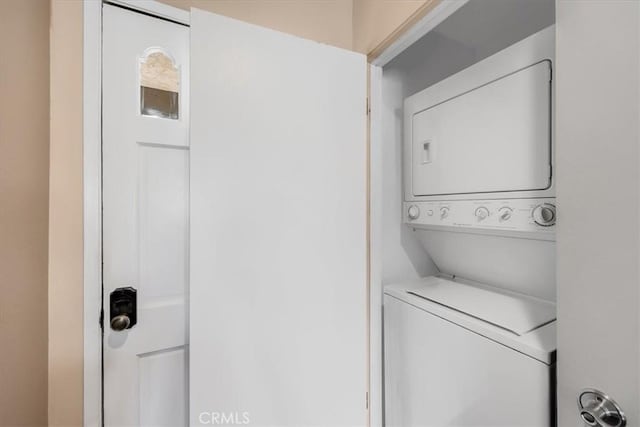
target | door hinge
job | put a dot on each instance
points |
(101, 319)
(368, 107)
(366, 400)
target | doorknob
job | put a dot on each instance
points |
(599, 410)
(120, 322)
(122, 302)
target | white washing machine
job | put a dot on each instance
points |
(460, 355)
(475, 345)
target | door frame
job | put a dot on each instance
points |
(92, 190)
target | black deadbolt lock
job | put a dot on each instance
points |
(123, 303)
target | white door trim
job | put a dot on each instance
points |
(376, 391)
(92, 205)
(151, 7)
(92, 190)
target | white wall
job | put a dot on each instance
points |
(598, 214)
(402, 255)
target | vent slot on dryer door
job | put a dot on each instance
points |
(494, 138)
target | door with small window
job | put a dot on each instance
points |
(145, 219)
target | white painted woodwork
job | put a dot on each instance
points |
(278, 228)
(145, 227)
(598, 117)
(156, 8)
(92, 213)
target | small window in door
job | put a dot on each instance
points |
(159, 85)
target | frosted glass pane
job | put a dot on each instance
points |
(159, 85)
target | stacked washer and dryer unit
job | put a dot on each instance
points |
(475, 345)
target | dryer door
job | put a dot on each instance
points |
(494, 138)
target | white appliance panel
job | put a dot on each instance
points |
(486, 131)
(494, 138)
(502, 215)
(539, 343)
(527, 266)
(440, 374)
(513, 312)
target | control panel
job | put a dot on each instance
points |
(528, 215)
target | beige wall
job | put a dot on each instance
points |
(326, 21)
(65, 216)
(24, 165)
(358, 25)
(375, 20)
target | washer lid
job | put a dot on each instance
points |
(513, 312)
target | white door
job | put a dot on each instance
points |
(598, 231)
(278, 313)
(145, 216)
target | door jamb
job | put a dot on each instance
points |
(92, 191)
(92, 211)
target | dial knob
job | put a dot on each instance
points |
(505, 214)
(482, 213)
(444, 212)
(413, 212)
(544, 214)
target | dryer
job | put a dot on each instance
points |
(485, 131)
(478, 169)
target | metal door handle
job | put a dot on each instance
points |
(120, 322)
(599, 410)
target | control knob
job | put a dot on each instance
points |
(544, 214)
(413, 212)
(505, 214)
(482, 213)
(444, 212)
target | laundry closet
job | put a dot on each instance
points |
(464, 217)
(397, 240)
